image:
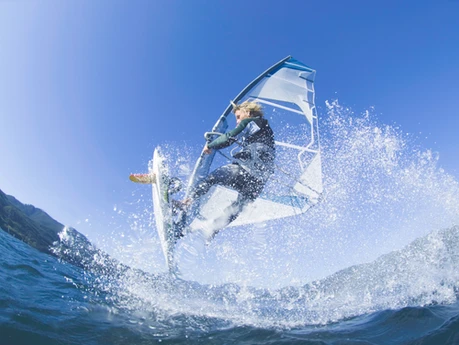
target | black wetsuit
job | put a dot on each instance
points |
(250, 169)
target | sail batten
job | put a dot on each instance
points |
(260, 100)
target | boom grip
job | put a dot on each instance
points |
(207, 135)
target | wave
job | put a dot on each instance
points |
(64, 304)
(426, 272)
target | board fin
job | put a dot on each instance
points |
(143, 178)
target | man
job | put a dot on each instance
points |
(251, 166)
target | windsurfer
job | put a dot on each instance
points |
(250, 168)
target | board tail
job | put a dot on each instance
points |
(143, 178)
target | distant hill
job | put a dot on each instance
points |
(29, 224)
(36, 228)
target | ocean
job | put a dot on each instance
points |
(376, 261)
(390, 301)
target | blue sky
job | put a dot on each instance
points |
(89, 88)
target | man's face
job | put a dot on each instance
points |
(240, 115)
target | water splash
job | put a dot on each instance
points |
(381, 191)
(423, 273)
(345, 257)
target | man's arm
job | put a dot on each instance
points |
(227, 139)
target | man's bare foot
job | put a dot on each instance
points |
(143, 178)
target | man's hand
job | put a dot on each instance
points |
(207, 151)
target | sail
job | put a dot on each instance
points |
(286, 93)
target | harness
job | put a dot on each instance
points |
(257, 151)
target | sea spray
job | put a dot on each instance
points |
(423, 273)
(382, 190)
(347, 256)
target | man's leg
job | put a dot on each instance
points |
(227, 175)
(232, 176)
(249, 188)
(230, 213)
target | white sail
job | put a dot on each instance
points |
(286, 92)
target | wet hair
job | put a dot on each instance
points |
(253, 108)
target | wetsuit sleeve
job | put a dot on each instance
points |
(228, 138)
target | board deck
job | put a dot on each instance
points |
(162, 208)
